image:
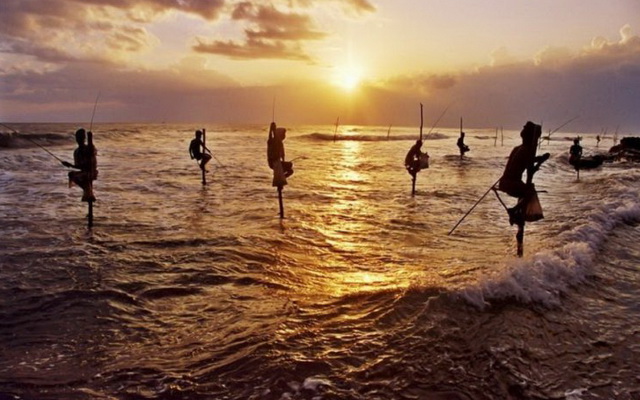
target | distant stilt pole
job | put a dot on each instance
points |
(501, 136)
(495, 140)
(280, 202)
(202, 166)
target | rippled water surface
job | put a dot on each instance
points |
(188, 292)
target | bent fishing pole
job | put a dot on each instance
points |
(34, 142)
(95, 106)
(436, 123)
(558, 128)
(421, 121)
(216, 158)
(473, 207)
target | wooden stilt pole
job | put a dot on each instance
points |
(90, 214)
(413, 184)
(520, 239)
(280, 202)
(202, 166)
(414, 176)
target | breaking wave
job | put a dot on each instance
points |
(549, 274)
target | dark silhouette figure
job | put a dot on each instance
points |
(276, 156)
(575, 153)
(461, 146)
(414, 161)
(598, 140)
(523, 158)
(198, 150)
(85, 161)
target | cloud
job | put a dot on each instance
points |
(251, 49)
(62, 31)
(358, 7)
(361, 6)
(502, 56)
(552, 56)
(271, 34)
(143, 10)
(599, 83)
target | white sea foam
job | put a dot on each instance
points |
(547, 275)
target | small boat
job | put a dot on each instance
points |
(590, 162)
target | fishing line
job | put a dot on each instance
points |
(95, 106)
(438, 120)
(32, 141)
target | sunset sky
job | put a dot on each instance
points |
(496, 62)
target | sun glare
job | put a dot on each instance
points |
(349, 78)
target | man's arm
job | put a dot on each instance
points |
(535, 166)
(541, 159)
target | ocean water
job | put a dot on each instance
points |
(181, 291)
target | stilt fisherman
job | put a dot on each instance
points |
(85, 161)
(523, 158)
(276, 159)
(415, 161)
(198, 150)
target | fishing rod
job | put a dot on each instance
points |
(438, 120)
(273, 110)
(216, 158)
(34, 142)
(421, 121)
(45, 149)
(10, 128)
(95, 106)
(563, 125)
(473, 207)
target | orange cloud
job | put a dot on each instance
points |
(272, 34)
(252, 49)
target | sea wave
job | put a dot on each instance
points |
(20, 141)
(325, 137)
(549, 274)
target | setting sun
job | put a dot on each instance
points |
(349, 78)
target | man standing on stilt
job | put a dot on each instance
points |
(198, 150)
(523, 158)
(276, 158)
(85, 161)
